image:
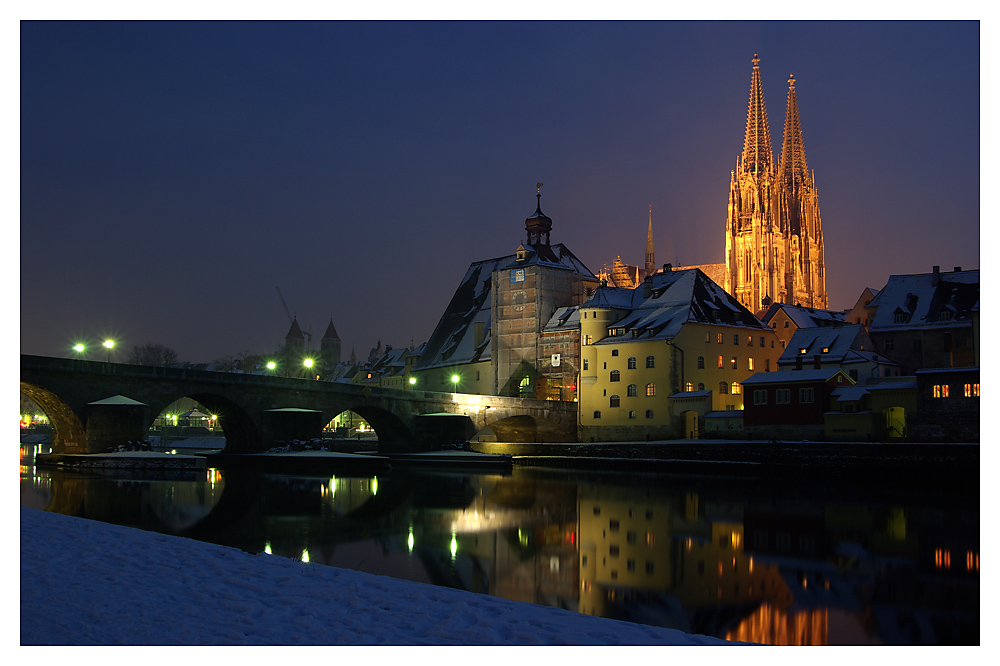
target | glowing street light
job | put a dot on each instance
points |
(454, 381)
(109, 344)
(308, 363)
(271, 365)
(413, 381)
(79, 349)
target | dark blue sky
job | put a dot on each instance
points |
(172, 174)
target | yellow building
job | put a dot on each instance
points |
(656, 359)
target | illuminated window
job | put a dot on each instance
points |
(688, 386)
(749, 341)
(942, 558)
(750, 364)
(632, 391)
(722, 362)
(650, 361)
(588, 339)
(616, 401)
(723, 388)
(719, 338)
(760, 397)
(650, 539)
(806, 395)
(708, 336)
(972, 390)
(631, 362)
(783, 396)
(736, 388)
(650, 390)
(701, 362)
(616, 376)
(940, 391)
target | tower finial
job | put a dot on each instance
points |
(791, 80)
(755, 60)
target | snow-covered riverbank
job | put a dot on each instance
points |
(89, 583)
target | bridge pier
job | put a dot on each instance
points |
(114, 421)
(290, 423)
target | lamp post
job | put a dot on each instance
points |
(271, 365)
(109, 344)
(79, 349)
(454, 383)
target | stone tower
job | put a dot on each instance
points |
(329, 346)
(774, 237)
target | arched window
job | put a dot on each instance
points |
(616, 376)
(736, 388)
(631, 414)
(649, 413)
(701, 362)
(631, 362)
(688, 386)
(597, 413)
(723, 388)
(650, 361)
(616, 401)
(701, 386)
(650, 390)
(633, 390)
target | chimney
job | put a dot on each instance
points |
(798, 361)
(936, 277)
(647, 286)
(817, 361)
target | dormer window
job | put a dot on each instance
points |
(946, 314)
(900, 316)
(826, 350)
(803, 350)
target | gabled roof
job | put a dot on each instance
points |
(804, 317)
(676, 298)
(796, 376)
(926, 300)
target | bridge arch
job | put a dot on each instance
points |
(241, 429)
(388, 426)
(68, 433)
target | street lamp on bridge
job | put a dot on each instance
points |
(109, 344)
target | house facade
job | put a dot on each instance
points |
(790, 404)
(678, 340)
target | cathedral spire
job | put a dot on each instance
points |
(650, 258)
(757, 154)
(793, 169)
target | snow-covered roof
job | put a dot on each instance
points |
(926, 300)
(850, 393)
(837, 343)
(563, 319)
(804, 317)
(691, 394)
(784, 376)
(675, 298)
(453, 341)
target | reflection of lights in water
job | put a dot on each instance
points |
(374, 485)
(267, 547)
(305, 555)
(522, 537)
(454, 545)
(409, 540)
(333, 487)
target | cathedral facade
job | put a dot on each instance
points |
(774, 236)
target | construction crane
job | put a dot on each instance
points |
(291, 319)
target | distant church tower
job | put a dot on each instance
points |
(650, 254)
(774, 236)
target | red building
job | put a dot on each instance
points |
(790, 404)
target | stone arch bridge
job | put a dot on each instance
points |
(94, 406)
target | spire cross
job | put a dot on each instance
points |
(539, 194)
(755, 60)
(791, 80)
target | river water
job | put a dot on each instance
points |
(786, 564)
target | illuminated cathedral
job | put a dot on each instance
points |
(774, 236)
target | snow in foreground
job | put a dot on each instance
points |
(89, 583)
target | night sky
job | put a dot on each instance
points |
(173, 174)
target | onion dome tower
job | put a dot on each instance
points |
(539, 225)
